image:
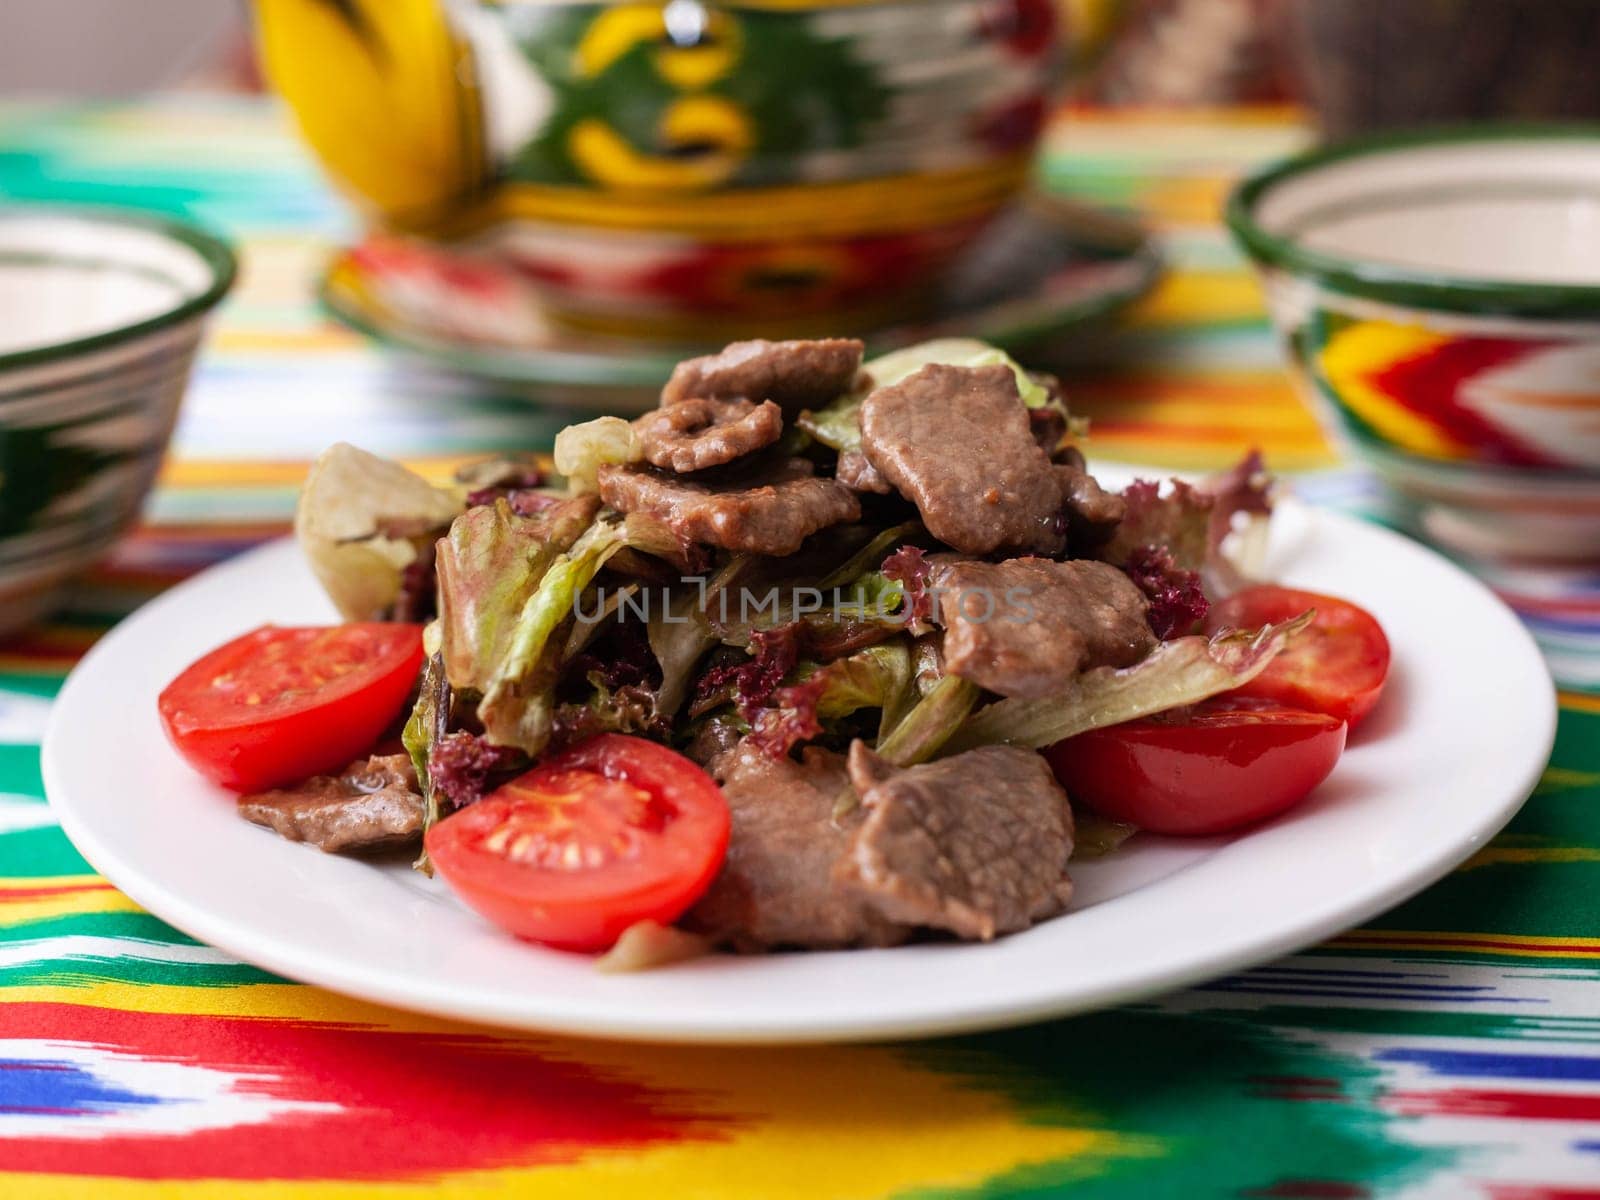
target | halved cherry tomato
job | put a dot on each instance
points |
(280, 705)
(1221, 765)
(614, 831)
(1336, 666)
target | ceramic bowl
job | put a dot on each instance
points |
(1439, 294)
(100, 315)
(682, 167)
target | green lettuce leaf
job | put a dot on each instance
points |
(838, 426)
(680, 632)
(1095, 836)
(490, 565)
(931, 723)
(870, 557)
(628, 709)
(1177, 673)
(679, 637)
(429, 720)
(877, 677)
(581, 450)
(518, 696)
(873, 597)
(359, 522)
(593, 624)
(836, 621)
(922, 731)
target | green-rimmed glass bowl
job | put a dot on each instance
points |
(100, 316)
(1439, 294)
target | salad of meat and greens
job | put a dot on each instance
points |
(771, 665)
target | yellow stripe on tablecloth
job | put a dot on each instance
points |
(1197, 422)
(1500, 856)
(238, 473)
(311, 339)
(1519, 945)
(1260, 402)
(1200, 458)
(1201, 298)
(58, 898)
(1586, 702)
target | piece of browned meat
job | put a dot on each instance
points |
(1049, 427)
(956, 442)
(373, 805)
(1087, 503)
(697, 433)
(797, 375)
(976, 844)
(1027, 626)
(771, 516)
(856, 473)
(776, 887)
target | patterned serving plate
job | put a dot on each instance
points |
(1046, 270)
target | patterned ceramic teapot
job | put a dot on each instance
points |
(676, 166)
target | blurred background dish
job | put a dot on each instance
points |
(682, 167)
(1440, 296)
(1047, 269)
(1383, 64)
(100, 316)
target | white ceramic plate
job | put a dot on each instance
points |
(1456, 745)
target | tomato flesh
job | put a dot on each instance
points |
(614, 831)
(279, 705)
(1223, 765)
(1337, 665)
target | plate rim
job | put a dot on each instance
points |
(428, 996)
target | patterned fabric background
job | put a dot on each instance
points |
(1447, 1050)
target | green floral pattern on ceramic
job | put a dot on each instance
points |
(786, 89)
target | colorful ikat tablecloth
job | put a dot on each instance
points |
(1449, 1049)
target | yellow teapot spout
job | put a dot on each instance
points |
(385, 92)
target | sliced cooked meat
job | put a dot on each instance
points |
(372, 805)
(770, 517)
(1070, 456)
(1026, 627)
(976, 844)
(856, 473)
(798, 375)
(698, 433)
(955, 441)
(1088, 503)
(776, 887)
(1049, 426)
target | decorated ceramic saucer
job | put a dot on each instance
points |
(1045, 270)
